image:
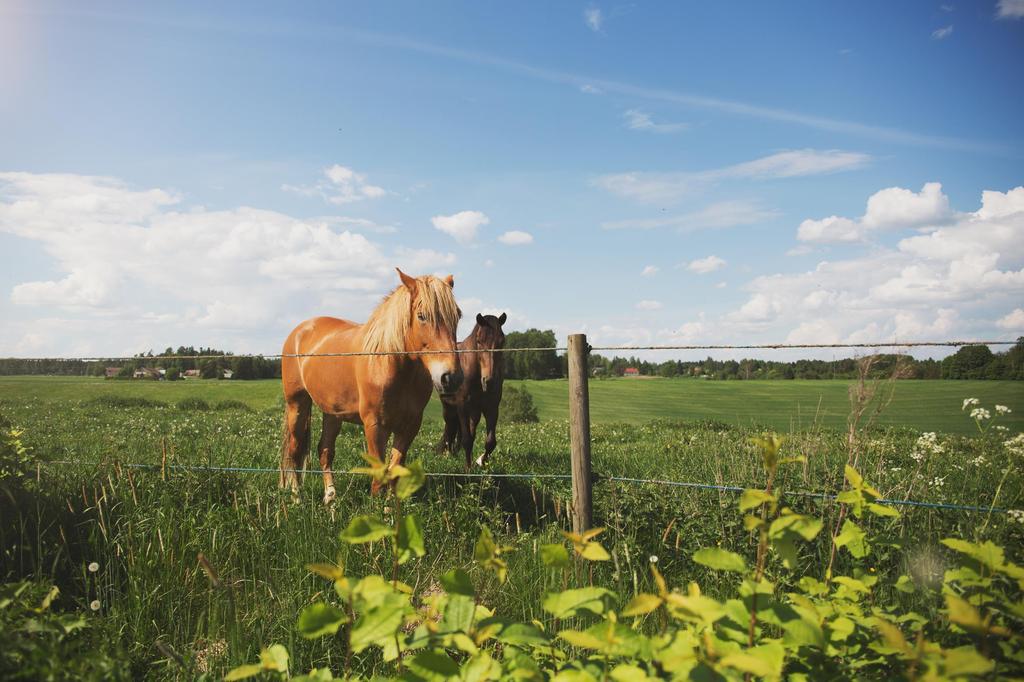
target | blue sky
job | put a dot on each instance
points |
(212, 173)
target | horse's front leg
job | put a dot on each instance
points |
(376, 442)
(468, 418)
(328, 438)
(404, 436)
(491, 415)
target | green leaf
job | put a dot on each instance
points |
(243, 672)
(410, 539)
(853, 476)
(274, 657)
(583, 640)
(570, 602)
(379, 623)
(316, 675)
(753, 498)
(851, 584)
(966, 660)
(803, 632)
(853, 539)
(593, 551)
(882, 510)
(413, 481)
(362, 529)
(765, 660)
(329, 571)
(625, 672)
(642, 604)
(509, 632)
(485, 547)
(720, 559)
(458, 614)
(479, 668)
(434, 665)
(554, 556)
(905, 584)
(318, 620)
(457, 581)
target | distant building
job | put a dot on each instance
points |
(190, 374)
(111, 372)
(631, 372)
(228, 373)
(146, 373)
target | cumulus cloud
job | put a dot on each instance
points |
(516, 238)
(646, 187)
(648, 305)
(893, 208)
(340, 185)
(462, 226)
(639, 120)
(942, 33)
(139, 254)
(705, 265)
(1013, 321)
(593, 18)
(649, 271)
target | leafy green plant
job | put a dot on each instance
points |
(517, 406)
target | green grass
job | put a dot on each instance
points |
(780, 405)
(146, 532)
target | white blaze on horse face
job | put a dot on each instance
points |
(438, 368)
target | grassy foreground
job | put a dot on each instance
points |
(146, 532)
(779, 405)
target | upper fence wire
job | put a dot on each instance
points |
(278, 356)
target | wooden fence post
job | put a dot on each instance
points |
(579, 433)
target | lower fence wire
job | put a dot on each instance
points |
(826, 497)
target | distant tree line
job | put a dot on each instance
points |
(969, 362)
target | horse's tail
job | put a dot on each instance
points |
(284, 450)
(290, 465)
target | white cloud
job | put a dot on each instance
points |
(138, 259)
(719, 215)
(516, 238)
(893, 208)
(649, 271)
(1013, 321)
(462, 226)
(639, 120)
(648, 305)
(589, 89)
(1010, 9)
(593, 18)
(341, 185)
(670, 187)
(705, 265)
(942, 33)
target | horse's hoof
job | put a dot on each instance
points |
(480, 460)
(329, 495)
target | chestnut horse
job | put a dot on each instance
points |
(480, 393)
(384, 393)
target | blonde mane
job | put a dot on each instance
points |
(385, 330)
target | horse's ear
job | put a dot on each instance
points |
(480, 320)
(450, 281)
(409, 282)
(502, 318)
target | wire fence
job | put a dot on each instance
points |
(557, 349)
(598, 478)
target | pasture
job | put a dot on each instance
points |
(146, 532)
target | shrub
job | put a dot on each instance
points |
(517, 406)
(193, 404)
(232, 405)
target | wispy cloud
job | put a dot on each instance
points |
(649, 271)
(942, 33)
(648, 305)
(639, 120)
(593, 18)
(670, 187)
(719, 215)
(1010, 9)
(589, 89)
(1007, 8)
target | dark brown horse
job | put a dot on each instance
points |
(480, 393)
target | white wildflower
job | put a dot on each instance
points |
(1015, 446)
(970, 401)
(1003, 409)
(980, 414)
(653, 558)
(93, 567)
(1017, 515)
(938, 481)
(978, 461)
(927, 444)
(95, 605)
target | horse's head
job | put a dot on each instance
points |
(488, 335)
(432, 325)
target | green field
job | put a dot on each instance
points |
(781, 405)
(146, 532)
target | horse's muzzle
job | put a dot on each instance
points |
(450, 382)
